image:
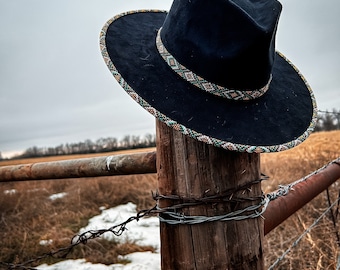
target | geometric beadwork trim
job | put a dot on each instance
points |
(192, 133)
(203, 84)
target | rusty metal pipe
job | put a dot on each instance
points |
(139, 163)
(281, 208)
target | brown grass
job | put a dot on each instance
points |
(284, 167)
(28, 216)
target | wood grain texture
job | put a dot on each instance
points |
(190, 168)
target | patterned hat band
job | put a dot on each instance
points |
(203, 84)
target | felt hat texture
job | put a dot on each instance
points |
(209, 69)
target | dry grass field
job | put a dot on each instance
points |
(29, 216)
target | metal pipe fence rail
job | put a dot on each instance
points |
(139, 163)
(301, 192)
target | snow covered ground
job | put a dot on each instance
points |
(144, 232)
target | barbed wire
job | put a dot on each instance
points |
(296, 242)
(329, 112)
(78, 239)
(252, 211)
(179, 218)
(172, 216)
(284, 189)
(334, 217)
(118, 230)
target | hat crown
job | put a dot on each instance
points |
(230, 43)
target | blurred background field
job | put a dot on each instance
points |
(29, 215)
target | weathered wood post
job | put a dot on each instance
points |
(190, 168)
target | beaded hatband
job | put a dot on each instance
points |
(192, 133)
(203, 84)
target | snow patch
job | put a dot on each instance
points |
(56, 196)
(45, 242)
(10, 191)
(139, 261)
(145, 232)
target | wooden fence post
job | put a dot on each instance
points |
(190, 168)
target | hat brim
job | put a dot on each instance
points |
(280, 119)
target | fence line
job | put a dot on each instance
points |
(275, 214)
(280, 208)
(277, 211)
(327, 112)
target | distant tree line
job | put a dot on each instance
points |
(328, 120)
(88, 146)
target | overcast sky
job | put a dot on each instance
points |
(55, 88)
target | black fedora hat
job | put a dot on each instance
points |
(210, 70)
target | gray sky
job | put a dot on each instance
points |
(55, 88)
